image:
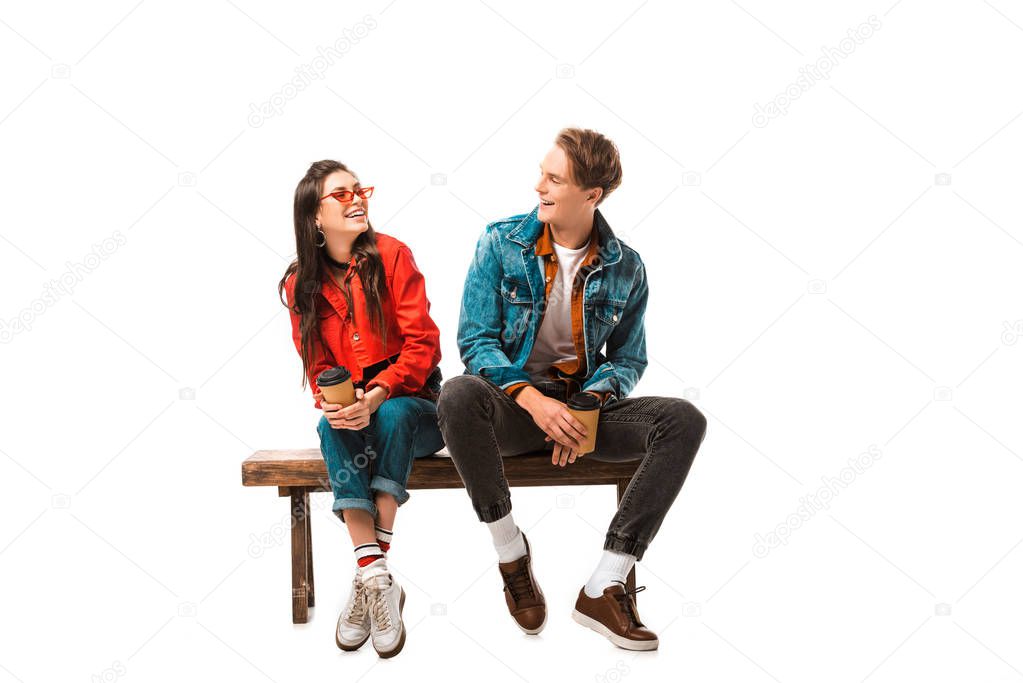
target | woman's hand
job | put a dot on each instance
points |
(374, 397)
(355, 416)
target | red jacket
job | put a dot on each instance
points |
(411, 332)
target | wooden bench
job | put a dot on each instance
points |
(296, 473)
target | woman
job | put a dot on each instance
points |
(357, 299)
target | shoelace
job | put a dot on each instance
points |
(518, 583)
(627, 605)
(358, 613)
(378, 603)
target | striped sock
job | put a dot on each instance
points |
(367, 553)
(384, 537)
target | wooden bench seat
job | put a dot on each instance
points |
(298, 472)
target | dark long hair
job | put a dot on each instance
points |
(311, 268)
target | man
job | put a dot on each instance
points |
(545, 292)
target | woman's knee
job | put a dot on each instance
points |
(323, 426)
(397, 414)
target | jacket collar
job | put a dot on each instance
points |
(545, 244)
(533, 232)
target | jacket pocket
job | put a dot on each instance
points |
(324, 309)
(515, 292)
(517, 313)
(609, 311)
(327, 312)
(605, 316)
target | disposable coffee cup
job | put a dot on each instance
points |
(585, 407)
(336, 385)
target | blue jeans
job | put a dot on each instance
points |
(379, 456)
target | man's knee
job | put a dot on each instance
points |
(683, 414)
(461, 392)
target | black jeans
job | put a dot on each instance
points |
(481, 423)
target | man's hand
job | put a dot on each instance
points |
(355, 416)
(556, 421)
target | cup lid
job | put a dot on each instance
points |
(584, 400)
(335, 375)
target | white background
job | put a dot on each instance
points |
(818, 288)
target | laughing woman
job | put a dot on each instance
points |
(358, 300)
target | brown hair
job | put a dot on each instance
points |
(310, 265)
(593, 159)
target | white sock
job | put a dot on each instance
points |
(375, 568)
(508, 539)
(613, 566)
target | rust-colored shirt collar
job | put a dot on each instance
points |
(545, 243)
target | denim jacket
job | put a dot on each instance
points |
(503, 305)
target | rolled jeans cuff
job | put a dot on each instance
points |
(342, 504)
(492, 513)
(378, 483)
(625, 545)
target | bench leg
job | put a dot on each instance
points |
(309, 554)
(630, 580)
(300, 560)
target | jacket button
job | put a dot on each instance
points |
(548, 278)
(355, 336)
(554, 258)
(614, 317)
(513, 295)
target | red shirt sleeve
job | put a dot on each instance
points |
(322, 359)
(420, 351)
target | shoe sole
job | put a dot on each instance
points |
(401, 641)
(349, 647)
(618, 640)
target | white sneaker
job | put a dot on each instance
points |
(353, 626)
(385, 600)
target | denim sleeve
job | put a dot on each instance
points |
(480, 320)
(626, 346)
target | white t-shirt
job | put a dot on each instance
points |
(554, 342)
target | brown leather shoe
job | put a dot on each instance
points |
(614, 616)
(522, 593)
